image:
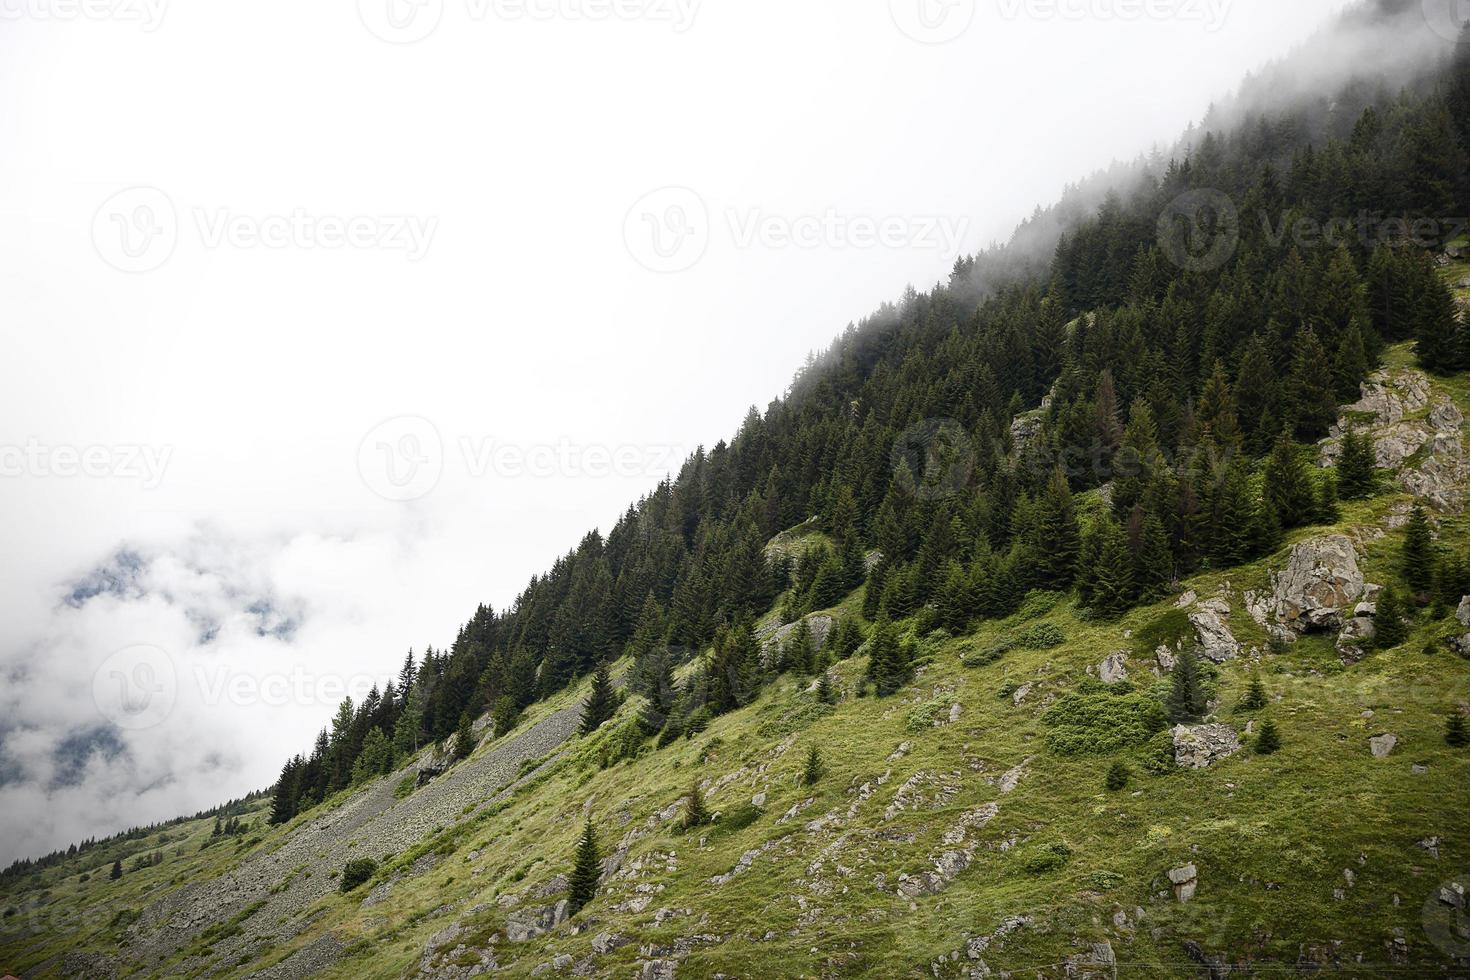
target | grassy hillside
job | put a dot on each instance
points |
(956, 824)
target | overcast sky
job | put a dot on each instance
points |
(326, 322)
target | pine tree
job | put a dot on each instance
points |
(1456, 734)
(1327, 509)
(504, 715)
(586, 869)
(825, 692)
(1417, 559)
(1436, 323)
(1057, 532)
(117, 871)
(888, 668)
(1269, 741)
(1186, 702)
(1351, 364)
(800, 652)
(1389, 626)
(814, 769)
(1356, 469)
(695, 814)
(1288, 488)
(602, 700)
(1112, 575)
(1255, 697)
(1311, 389)
(1118, 777)
(464, 742)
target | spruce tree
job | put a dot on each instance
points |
(1118, 777)
(825, 692)
(1417, 559)
(464, 742)
(602, 700)
(1255, 697)
(1356, 469)
(1186, 703)
(814, 768)
(1112, 583)
(1389, 626)
(117, 871)
(695, 813)
(1269, 741)
(1456, 734)
(1310, 388)
(800, 653)
(586, 869)
(1288, 487)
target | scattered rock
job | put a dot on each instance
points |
(526, 925)
(1201, 746)
(1185, 881)
(1463, 613)
(1431, 844)
(606, 942)
(1098, 961)
(1383, 745)
(1114, 669)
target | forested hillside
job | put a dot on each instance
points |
(1095, 613)
(1165, 356)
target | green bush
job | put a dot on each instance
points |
(1046, 857)
(356, 873)
(1167, 630)
(1101, 723)
(986, 656)
(736, 820)
(1043, 636)
(1039, 603)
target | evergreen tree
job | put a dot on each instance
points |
(813, 771)
(1456, 734)
(1112, 575)
(465, 742)
(1269, 741)
(1255, 697)
(1288, 488)
(1118, 777)
(1057, 533)
(117, 871)
(1351, 364)
(586, 869)
(695, 814)
(1417, 559)
(1327, 510)
(825, 692)
(504, 715)
(800, 652)
(1356, 469)
(1389, 626)
(1311, 389)
(287, 794)
(1187, 701)
(1436, 323)
(602, 700)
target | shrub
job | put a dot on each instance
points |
(1046, 857)
(1167, 630)
(737, 819)
(356, 873)
(1044, 636)
(1118, 777)
(1102, 723)
(1158, 755)
(406, 786)
(1455, 734)
(1039, 603)
(986, 656)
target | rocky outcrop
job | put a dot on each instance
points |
(528, 924)
(959, 852)
(775, 638)
(1412, 435)
(1216, 642)
(1463, 613)
(1320, 583)
(1357, 634)
(1201, 746)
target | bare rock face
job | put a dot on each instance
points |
(524, 926)
(1357, 635)
(1216, 641)
(1320, 583)
(1201, 746)
(1463, 613)
(820, 626)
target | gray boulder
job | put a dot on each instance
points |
(1463, 613)
(1383, 745)
(1321, 580)
(1201, 746)
(1216, 642)
(1185, 881)
(529, 924)
(1114, 669)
